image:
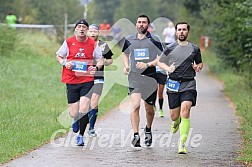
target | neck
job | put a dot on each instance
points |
(182, 43)
(141, 36)
(82, 38)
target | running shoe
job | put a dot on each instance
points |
(76, 126)
(175, 126)
(79, 140)
(161, 113)
(148, 138)
(182, 149)
(136, 141)
(92, 133)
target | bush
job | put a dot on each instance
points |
(8, 40)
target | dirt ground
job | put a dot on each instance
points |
(213, 140)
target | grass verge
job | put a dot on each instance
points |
(32, 96)
(241, 95)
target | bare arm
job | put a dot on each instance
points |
(60, 60)
(125, 59)
(165, 67)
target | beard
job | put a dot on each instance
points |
(142, 30)
(182, 38)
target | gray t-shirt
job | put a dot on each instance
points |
(183, 57)
(142, 50)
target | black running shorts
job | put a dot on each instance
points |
(75, 91)
(176, 98)
(161, 78)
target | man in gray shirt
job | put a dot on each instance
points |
(182, 60)
(140, 52)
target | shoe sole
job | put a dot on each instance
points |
(181, 152)
(148, 144)
(80, 144)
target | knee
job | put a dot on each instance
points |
(73, 114)
(135, 108)
(84, 109)
(185, 114)
(174, 116)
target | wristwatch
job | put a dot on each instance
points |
(147, 65)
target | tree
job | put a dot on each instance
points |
(131, 9)
(99, 10)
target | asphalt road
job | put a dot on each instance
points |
(213, 140)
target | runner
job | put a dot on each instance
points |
(76, 55)
(107, 54)
(181, 84)
(140, 53)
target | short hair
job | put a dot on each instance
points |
(142, 15)
(183, 22)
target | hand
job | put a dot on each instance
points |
(92, 69)
(69, 65)
(126, 70)
(196, 67)
(172, 68)
(141, 65)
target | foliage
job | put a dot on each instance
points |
(131, 9)
(242, 100)
(8, 38)
(231, 31)
(100, 10)
(5, 7)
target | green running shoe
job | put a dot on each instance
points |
(175, 126)
(182, 149)
(161, 113)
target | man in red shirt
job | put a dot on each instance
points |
(76, 55)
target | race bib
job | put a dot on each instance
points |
(96, 81)
(141, 54)
(79, 66)
(172, 85)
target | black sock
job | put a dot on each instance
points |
(136, 134)
(83, 124)
(161, 101)
(147, 129)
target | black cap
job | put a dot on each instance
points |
(81, 21)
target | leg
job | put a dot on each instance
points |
(188, 99)
(175, 106)
(149, 114)
(175, 113)
(92, 115)
(185, 120)
(149, 117)
(160, 99)
(73, 109)
(135, 118)
(134, 115)
(73, 98)
(84, 107)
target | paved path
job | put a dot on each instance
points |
(214, 138)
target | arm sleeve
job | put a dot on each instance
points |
(97, 54)
(107, 54)
(63, 50)
(125, 48)
(198, 58)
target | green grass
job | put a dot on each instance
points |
(32, 96)
(241, 94)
